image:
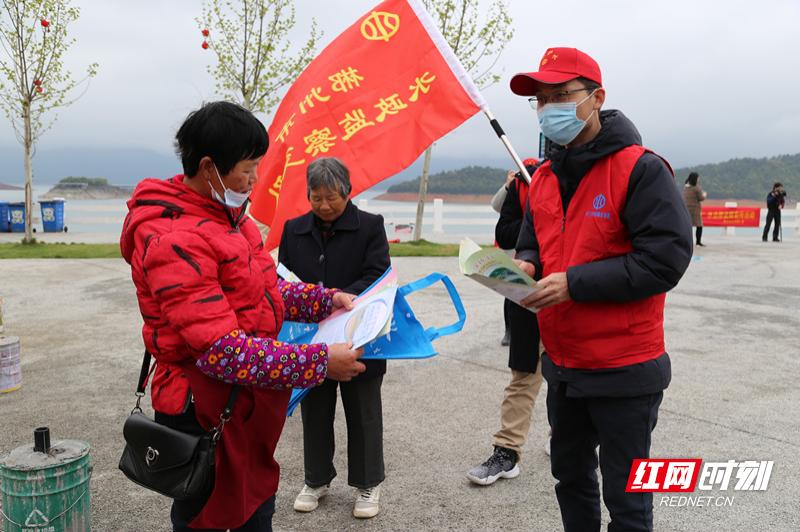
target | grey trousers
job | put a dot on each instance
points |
(361, 399)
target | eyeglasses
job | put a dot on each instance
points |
(559, 97)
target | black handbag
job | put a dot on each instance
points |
(169, 461)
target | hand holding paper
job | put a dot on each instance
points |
(551, 290)
(343, 362)
(495, 270)
(343, 300)
(359, 321)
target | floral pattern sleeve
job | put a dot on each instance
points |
(306, 302)
(237, 358)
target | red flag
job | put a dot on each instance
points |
(376, 97)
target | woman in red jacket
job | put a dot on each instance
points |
(212, 306)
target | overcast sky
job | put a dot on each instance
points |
(703, 80)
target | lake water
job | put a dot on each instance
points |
(104, 218)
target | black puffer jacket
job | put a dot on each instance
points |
(354, 255)
(661, 235)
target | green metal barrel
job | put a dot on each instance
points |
(46, 491)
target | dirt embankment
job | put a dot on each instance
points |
(740, 203)
(103, 192)
(486, 198)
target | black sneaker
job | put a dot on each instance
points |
(506, 341)
(502, 464)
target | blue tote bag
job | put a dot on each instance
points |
(407, 339)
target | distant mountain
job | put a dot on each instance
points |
(735, 179)
(467, 180)
(746, 178)
(121, 166)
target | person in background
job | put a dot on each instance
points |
(340, 246)
(523, 354)
(607, 237)
(212, 307)
(776, 200)
(498, 200)
(693, 195)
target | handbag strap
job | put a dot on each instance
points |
(224, 416)
(143, 373)
(140, 386)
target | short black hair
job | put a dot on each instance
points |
(589, 84)
(777, 185)
(692, 179)
(224, 131)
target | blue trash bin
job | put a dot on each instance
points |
(5, 226)
(16, 212)
(53, 215)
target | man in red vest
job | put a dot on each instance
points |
(606, 235)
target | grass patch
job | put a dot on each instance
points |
(423, 248)
(40, 250)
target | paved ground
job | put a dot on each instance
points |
(81, 238)
(731, 328)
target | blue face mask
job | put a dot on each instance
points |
(232, 198)
(559, 122)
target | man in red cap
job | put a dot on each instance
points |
(607, 235)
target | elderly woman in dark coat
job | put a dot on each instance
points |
(339, 246)
(692, 196)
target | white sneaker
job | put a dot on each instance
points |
(367, 503)
(547, 443)
(308, 498)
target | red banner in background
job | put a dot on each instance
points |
(731, 216)
(376, 97)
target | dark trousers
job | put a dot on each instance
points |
(361, 399)
(772, 214)
(698, 234)
(621, 426)
(183, 512)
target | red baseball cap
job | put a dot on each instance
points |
(530, 161)
(558, 65)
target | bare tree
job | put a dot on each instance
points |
(477, 31)
(33, 80)
(250, 40)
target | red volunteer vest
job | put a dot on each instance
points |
(523, 190)
(603, 334)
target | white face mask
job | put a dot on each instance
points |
(232, 198)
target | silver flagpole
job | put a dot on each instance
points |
(507, 143)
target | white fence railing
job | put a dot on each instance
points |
(484, 217)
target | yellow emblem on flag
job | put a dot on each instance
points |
(380, 26)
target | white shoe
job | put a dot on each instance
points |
(547, 443)
(367, 503)
(308, 498)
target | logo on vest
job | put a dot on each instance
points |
(598, 203)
